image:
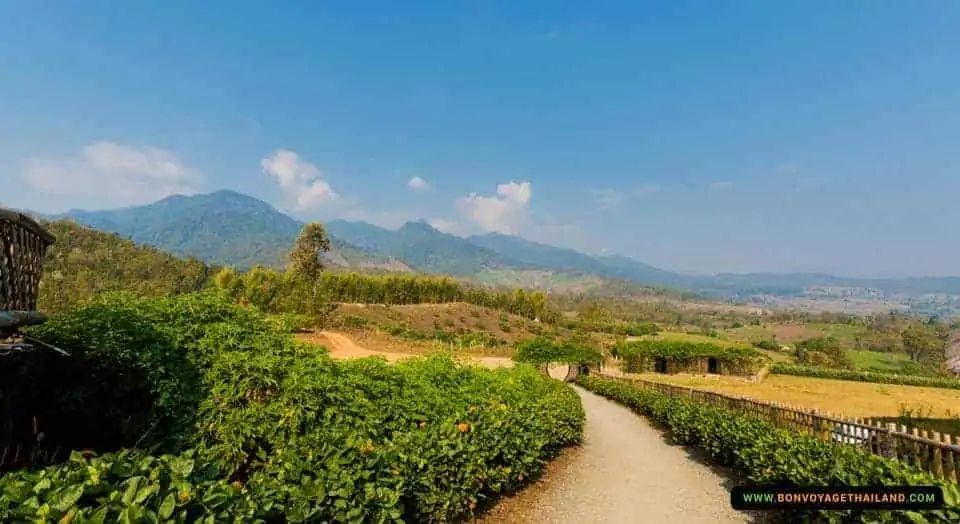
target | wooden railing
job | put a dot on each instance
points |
(930, 451)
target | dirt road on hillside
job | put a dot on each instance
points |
(343, 347)
(624, 472)
(340, 346)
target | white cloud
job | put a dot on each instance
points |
(301, 182)
(418, 184)
(108, 174)
(448, 226)
(502, 213)
(722, 184)
(645, 191)
(607, 198)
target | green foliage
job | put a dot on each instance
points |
(684, 350)
(825, 351)
(865, 376)
(769, 345)
(257, 428)
(925, 343)
(129, 486)
(540, 351)
(766, 454)
(275, 292)
(292, 322)
(305, 256)
(84, 262)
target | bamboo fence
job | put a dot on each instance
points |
(931, 451)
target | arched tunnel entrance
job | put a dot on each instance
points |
(567, 372)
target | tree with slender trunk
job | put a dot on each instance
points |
(306, 265)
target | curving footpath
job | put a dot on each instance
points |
(624, 472)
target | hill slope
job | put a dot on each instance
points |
(569, 260)
(423, 247)
(84, 262)
(223, 227)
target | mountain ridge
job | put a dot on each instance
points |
(230, 228)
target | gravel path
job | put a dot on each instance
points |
(624, 472)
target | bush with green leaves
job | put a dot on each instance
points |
(639, 355)
(765, 454)
(865, 376)
(278, 431)
(769, 345)
(541, 351)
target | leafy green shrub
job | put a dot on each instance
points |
(825, 351)
(865, 376)
(684, 350)
(292, 323)
(129, 486)
(541, 351)
(766, 454)
(769, 345)
(126, 375)
(281, 432)
(639, 355)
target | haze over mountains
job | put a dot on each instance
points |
(230, 228)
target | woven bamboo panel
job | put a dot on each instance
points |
(22, 246)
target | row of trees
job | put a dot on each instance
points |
(924, 343)
(306, 288)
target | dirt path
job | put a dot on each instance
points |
(624, 472)
(343, 347)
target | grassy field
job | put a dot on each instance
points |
(877, 361)
(792, 333)
(932, 408)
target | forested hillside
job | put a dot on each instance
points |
(84, 262)
(223, 227)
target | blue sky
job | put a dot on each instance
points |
(698, 136)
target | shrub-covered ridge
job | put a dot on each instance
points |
(865, 376)
(275, 431)
(765, 454)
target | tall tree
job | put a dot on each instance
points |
(305, 256)
(924, 344)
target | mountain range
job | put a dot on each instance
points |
(229, 228)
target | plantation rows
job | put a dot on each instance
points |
(194, 409)
(865, 376)
(766, 454)
(276, 292)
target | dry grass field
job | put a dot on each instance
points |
(934, 408)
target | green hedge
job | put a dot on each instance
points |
(765, 454)
(275, 431)
(684, 350)
(541, 350)
(865, 376)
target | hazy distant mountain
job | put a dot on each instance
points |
(230, 228)
(565, 259)
(223, 227)
(425, 248)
